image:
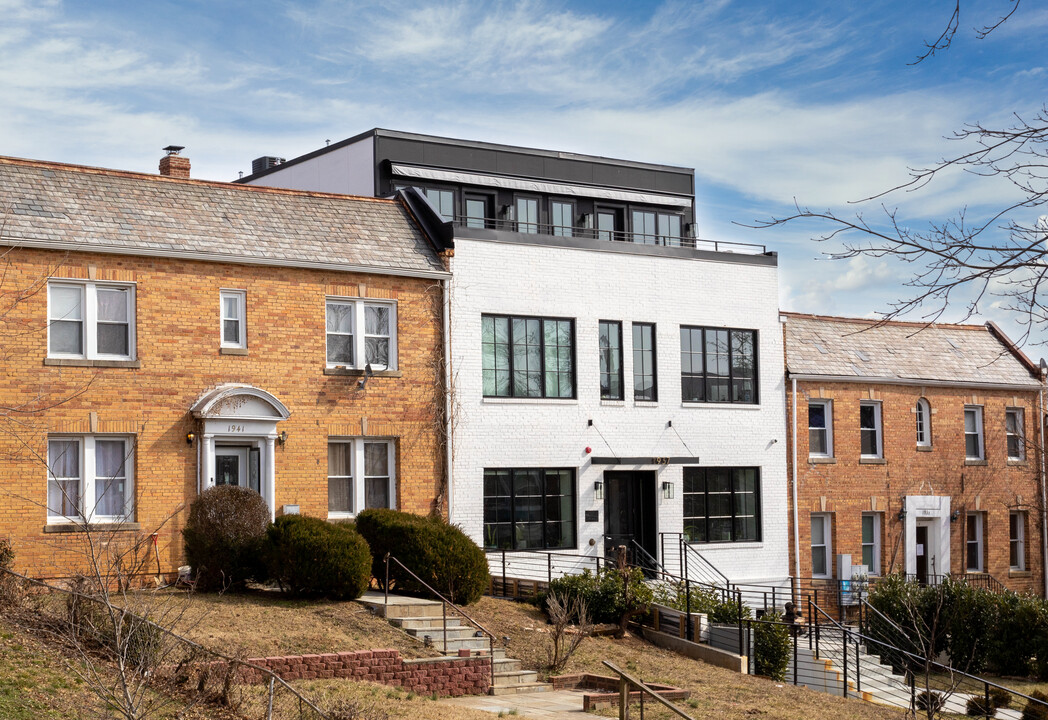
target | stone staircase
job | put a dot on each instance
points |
(424, 621)
(875, 681)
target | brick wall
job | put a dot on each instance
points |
(177, 326)
(846, 487)
(443, 676)
(589, 286)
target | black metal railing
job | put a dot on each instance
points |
(658, 239)
(445, 604)
(626, 682)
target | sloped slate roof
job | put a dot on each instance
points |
(108, 210)
(957, 354)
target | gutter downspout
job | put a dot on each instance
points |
(445, 285)
(1044, 509)
(796, 527)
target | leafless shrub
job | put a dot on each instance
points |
(564, 642)
(356, 710)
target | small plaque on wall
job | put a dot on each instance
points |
(593, 516)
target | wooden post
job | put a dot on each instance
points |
(624, 699)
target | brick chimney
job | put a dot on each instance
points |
(173, 164)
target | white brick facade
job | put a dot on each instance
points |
(588, 285)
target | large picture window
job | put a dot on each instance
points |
(89, 478)
(718, 365)
(722, 504)
(529, 509)
(360, 475)
(528, 357)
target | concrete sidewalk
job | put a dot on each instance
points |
(555, 705)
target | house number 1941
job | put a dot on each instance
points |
(235, 428)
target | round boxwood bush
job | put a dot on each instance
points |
(439, 553)
(223, 536)
(308, 556)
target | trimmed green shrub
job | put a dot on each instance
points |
(1036, 710)
(439, 553)
(970, 624)
(772, 647)
(223, 536)
(308, 556)
(605, 593)
(1019, 629)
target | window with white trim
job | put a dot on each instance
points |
(871, 542)
(821, 546)
(974, 542)
(820, 428)
(360, 475)
(233, 304)
(88, 320)
(923, 413)
(870, 440)
(89, 478)
(1013, 432)
(361, 332)
(973, 433)
(1017, 540)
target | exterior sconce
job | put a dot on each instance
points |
(282, 437)
(667, 490)
(902, 515)
(598, 490)
(190, 437)
(955, 515)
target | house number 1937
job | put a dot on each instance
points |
(235, 428)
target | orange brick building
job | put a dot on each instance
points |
(162, 335)
(914, 449)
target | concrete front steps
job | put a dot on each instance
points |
(424, 620)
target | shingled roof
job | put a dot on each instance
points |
(851, 348)
(72, 207)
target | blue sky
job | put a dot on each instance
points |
(768, 101)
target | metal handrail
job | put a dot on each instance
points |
(637, 238)
(688, 548)
(866, 606)
(866, 640)
(626, 680)
(444, 607)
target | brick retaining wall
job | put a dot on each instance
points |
(447, 676)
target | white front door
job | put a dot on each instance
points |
(231, 464)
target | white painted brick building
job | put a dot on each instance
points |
(564, 242)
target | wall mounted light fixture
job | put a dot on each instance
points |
(282, 437)
(902, 515)
(190, 437)
(598, 489)
(667, 490)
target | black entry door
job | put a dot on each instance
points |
(629, 514)
(922, 553)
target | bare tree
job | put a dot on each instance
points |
(963, 262)
(563, 643)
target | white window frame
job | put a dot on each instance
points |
(827, 545)
(357, 468)
(977, 411)
(89, 319)
(875, 565)
(878, 427)
(1019, 539)
(1019, 433)
(976, 519)
(828, 430)
(358, 332)
(924, 423)
(88, 480)
(241, 299)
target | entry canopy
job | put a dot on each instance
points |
(244, 402)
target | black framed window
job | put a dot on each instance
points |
(529, 509)
(722, 504)
(645, 382)
(528, 356)
(718, 365)
(562, 218)
(611, 380)
(479, 210)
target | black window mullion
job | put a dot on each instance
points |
(513, 507)
(542, 368)
(732, 484)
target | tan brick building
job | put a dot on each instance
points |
(914, 449)
(161, 335)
